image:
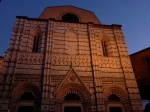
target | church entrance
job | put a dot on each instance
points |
(72, 103)
(115, 103)
(72, 109)
(25, 109)
(26, 98)
(26, 103)
(74, 98)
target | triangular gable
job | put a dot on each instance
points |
(72, 77)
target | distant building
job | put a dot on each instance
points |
(141, 66)
(67, 61)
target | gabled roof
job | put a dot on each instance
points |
(57, 12)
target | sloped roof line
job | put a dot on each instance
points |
(68, 6)
(140, 51)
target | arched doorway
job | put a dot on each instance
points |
(26, 98)
(76, 103)
(73, 98)
(26, 102)
(116, 99)
(115, 106)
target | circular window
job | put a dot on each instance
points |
(70, 18)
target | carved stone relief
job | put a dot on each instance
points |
(67, 60)
(34, 58)
(107, 62)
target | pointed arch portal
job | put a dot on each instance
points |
(26, 98)
(116, 99)
(72, 97)
(75, 98)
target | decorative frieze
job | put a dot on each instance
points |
(106, 62)
(67, 60)
(30, 58)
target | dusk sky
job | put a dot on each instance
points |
(133, 15)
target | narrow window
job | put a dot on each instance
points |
(36, 44)
(104, 48)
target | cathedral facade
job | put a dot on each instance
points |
(66, 60)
